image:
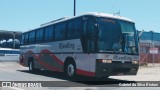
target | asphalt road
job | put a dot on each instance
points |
(12, 71)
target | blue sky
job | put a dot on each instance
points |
(22, 15)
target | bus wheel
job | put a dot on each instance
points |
(70, 69)
(31, 66)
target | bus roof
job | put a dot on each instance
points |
(97, 14)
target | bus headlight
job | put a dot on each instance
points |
(135, 62)
(105, 61)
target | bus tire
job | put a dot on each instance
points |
(70, 69)
(31, 66)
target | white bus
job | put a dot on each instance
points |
(92, 44)
(8, 54)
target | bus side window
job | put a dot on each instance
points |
(39, 35)
(89, 34)
(22, 39)
(70, 33)
(63, 30)
(84, 35)
(73, 29)
(49, 33)
(26, 38)
(84, 27)
(32, 37)
(60, 31)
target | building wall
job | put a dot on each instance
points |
(148, 40)
(146, 57)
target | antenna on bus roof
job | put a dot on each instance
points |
(118, 13)
(51, 22)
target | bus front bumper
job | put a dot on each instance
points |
(116, 69)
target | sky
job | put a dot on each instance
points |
(23, 15)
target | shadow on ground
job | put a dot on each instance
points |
(78, 80)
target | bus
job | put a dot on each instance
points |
(8, 54)
(92, 44)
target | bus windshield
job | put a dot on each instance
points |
(117, 36)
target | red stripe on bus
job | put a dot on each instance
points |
(44, 64)
(86, 73)
(79, 71)
(47, 66)
(53, 56)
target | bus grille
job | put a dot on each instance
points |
(116, 62)
(127, 62)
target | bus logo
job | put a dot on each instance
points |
(115, 57)
(106, 56)
(67, 45)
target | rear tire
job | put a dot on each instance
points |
(70, 69)
(31, 66)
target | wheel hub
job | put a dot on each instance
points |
(70, 70)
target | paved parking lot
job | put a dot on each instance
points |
(20, 73)
(12, 71)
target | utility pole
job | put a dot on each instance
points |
(74, 7)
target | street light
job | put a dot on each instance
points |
(14, 35)
(74, 7)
